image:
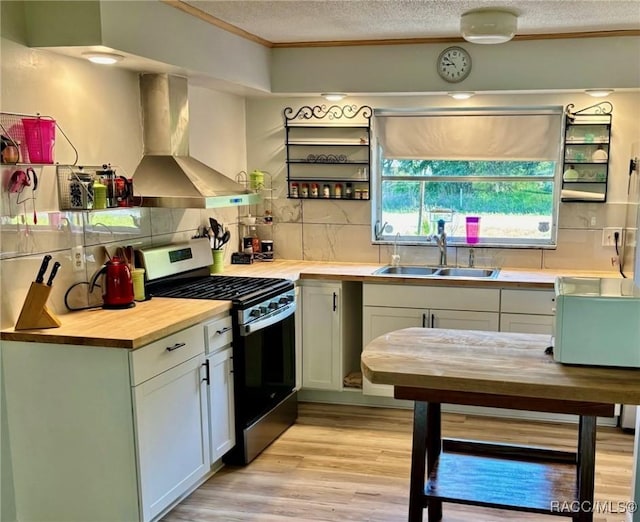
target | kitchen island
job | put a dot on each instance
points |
(498, 369)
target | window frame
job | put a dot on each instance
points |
(379, 237)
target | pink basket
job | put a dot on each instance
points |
(40, 135)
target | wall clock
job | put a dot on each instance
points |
(454, 64)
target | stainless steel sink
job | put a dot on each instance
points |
(485, 273)
(415, 271)
(431, 271)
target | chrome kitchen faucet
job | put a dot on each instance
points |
(441, 240)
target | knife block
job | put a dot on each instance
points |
(34, 313)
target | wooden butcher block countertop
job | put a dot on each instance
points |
(159, 317)
(493, 363)
(130, 328)
(507, 277)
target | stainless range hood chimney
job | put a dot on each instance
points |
(167, 176)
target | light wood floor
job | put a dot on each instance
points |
(349, 463)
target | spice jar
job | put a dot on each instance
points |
(338, 190)
(365, 193)
(294, 190)
(326, 191)
(348, 191)
(304, 190)
(358, 194)
(314, 190)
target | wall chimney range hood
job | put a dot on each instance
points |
(167, 176)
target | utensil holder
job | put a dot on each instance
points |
(218, 262)
(34, 313)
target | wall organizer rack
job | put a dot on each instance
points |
(586, 156)
(34, 137)
(328, 152)
(255, 221)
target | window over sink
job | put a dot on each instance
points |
(501, 165)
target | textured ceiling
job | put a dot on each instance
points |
(286, 21)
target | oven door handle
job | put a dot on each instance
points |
(267, 321)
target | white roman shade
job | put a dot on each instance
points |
(531, 134)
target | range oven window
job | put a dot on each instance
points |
(264, 368)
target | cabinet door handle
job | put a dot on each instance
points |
(335, 301)
(433, 320)
(175, 346)
(207, 376)
(424, 320)
(225, 329)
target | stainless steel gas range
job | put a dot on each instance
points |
(263, 318)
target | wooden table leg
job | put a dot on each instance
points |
(434, 447)
(418, 461)
(586, 466)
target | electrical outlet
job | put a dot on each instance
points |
(77, 258)
(608, 238)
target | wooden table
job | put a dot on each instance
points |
(503, 370)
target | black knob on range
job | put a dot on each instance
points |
(273, 305)
(255, 313)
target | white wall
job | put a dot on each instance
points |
(99, 109)
(514, 66)
(340, 230)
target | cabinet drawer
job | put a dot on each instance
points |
(440, 297)
(160, 356)
(540, 302)
(218, 334)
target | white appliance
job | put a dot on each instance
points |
(597, 321)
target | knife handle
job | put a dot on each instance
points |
(43, 269)
(53, 273)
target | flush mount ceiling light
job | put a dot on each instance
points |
(333, 96)
(488, 26)
(103, 58)
(598, 93)
(460, 95)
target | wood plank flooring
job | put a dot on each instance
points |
(351, 463)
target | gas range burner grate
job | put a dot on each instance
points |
(234, 288)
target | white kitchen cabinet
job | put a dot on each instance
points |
(331, 333)
(221, 404)
(321, 348)
(104, 433)
(527, 311)
(525, 323)
(463, 320)
(377, 321)
(222, 430)
(393, 307)
(172, 434)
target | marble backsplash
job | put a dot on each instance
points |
(314, 230)
(86, 234)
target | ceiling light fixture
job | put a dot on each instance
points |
(598, 93)
(333, 96)
(488, 26)
(461, 95)
(103, 58)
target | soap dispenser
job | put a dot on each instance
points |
(395, 257)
